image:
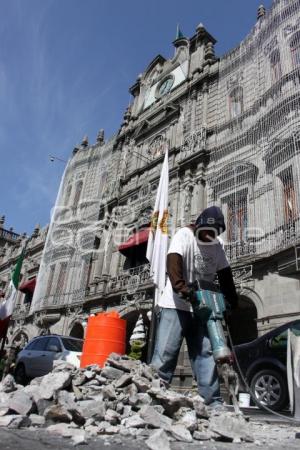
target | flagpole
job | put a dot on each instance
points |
(152, 330)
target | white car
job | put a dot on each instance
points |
(36, 359)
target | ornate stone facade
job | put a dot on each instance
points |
(232, 129)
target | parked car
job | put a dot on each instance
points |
(263, 363)
(36, 359)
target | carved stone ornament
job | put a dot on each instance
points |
(194, 142)
(242, 274)
(135, 299)
(158, 146)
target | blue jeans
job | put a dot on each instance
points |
(173, 326)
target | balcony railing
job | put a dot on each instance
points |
(21, 311)
(236, 250)
(130, 280)
(283, 237)
(8, 235)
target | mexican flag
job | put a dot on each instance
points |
(8, 304)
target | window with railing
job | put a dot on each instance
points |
(50, 280)
(236, 102)
(295, 49)
(275, 65)
(288, 195)
(237, 219)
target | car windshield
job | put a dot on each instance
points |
(73, 345)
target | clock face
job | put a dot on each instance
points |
(165, 86)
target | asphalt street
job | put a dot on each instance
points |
(274, 439)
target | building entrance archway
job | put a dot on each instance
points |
(243, 322)
(77, 331)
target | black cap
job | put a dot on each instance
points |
(211, 217)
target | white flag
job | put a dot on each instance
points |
(158, 237)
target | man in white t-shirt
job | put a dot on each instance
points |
(196, 253)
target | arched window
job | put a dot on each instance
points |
(237, 218)
(295, 49)
(236, 102)
(78, 190)
(275, 65)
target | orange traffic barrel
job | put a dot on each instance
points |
(105, 334)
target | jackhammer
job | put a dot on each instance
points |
(209, 306)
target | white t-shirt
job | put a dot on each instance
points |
(200, 261)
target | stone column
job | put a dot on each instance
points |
(193, 110)
(204, 104)
(99, 258)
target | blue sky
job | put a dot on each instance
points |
(65, 70)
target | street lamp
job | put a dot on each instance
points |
(53, 158)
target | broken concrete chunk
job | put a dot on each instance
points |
(4, 410)
(59, 366)
(92, 430)
(114, 356)
(53, 382)
(142, 384)
(36, 420)
(89, 374)
(92, 408)
(21, 403)
(126, 365)
(79, 437)
(112, 429)
(79, 378)
(112, 417)
(180, 433)
(170, 400)
(8, 384)
(62, 429)
(189, 420)
(148, 372)
(131, 389)
(230, 426)
(158, 441)
(112, 373)
(201, 435)
(108, 392)
(143, 399)
(58, 413)
(200, 408)
(42, 405)
(134, 421)
(154, 418)
(14, 421)
(123, 381)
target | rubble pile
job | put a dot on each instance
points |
(125, 398)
